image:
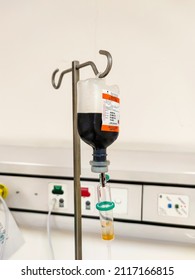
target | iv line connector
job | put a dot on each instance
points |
(102, 179)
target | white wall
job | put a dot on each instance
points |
(152, 44)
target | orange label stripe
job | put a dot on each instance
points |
(110, 97)
(111, 128)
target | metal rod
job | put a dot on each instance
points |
(89, 63)
(109, 63)
(77, 166)
(60, 78)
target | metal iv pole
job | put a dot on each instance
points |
(76, 140)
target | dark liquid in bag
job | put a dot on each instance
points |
(89, 128)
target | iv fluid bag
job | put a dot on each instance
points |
(98, 112)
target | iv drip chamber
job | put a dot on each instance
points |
(98, 118)
(105, 206)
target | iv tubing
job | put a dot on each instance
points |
(102, 179)
(109, 249)
(6, 226)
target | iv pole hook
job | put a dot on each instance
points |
(89, 63)
(56, 86)
(109, 63)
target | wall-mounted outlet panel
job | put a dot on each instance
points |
(59, 193)
(127, 199)
(170, 205)
(36, 194)
(134, 202)
(33, 193)
(174, 205)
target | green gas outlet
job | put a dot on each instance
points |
(58, 192)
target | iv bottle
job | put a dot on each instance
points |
(105, 206)
(98, 118)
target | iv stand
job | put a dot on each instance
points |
(76, 140)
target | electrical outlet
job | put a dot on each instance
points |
(60, 193)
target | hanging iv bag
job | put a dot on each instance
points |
(98, 118)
